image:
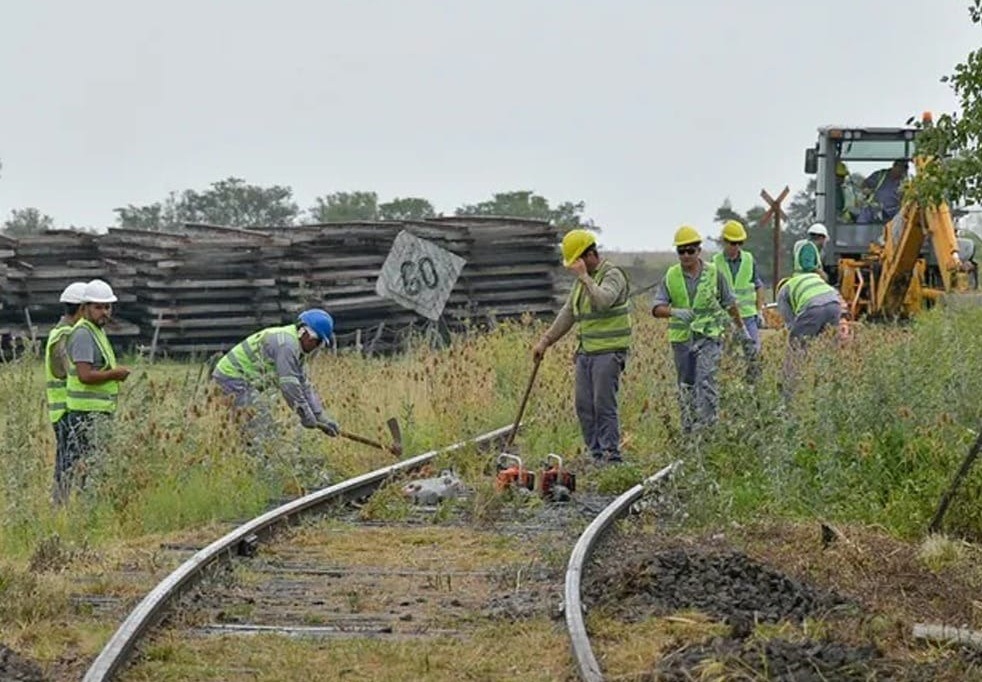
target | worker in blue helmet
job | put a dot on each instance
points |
(275, 357)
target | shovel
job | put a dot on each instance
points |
(521, 408)
(394, 430)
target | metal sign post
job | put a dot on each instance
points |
(419, 275)
(775, 211)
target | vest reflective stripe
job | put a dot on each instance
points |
(245, 360)
(805, 287)
(799, 247)
(603, 331)
(93, 397)
(56, 389)
(742, 284)
(708, 312)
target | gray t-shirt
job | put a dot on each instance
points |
(82, 347)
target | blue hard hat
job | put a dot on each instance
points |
(320, 321)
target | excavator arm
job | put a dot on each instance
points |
(900, 290)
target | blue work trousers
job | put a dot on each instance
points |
(597, 383)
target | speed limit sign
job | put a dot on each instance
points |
(419, 275)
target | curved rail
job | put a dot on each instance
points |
(586, 662)
(122, 644)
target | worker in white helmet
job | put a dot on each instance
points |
(808, 252)
(56, 373)
(93, 376)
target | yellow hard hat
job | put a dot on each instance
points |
(733, 231)
(841, 170)
(687, 235)
(575, 243)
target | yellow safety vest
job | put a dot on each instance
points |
(605, 331)
(708, 320)
(742, 284)
(804, 287)
(93, 397)
(55, 387)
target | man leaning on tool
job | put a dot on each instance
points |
(598, 304)
(93, 379)
(809, 306)
(273, 357)
(56, 374)
(696, 296)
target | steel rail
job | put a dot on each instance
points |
(586, 662)
(122, 644)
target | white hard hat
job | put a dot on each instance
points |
(98, 291)
(819, 230)
(73, 293)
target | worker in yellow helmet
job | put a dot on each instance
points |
(695, 297)
(740, 270)
(598, 304)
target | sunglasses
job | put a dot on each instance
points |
(734, 243)
(687, 250)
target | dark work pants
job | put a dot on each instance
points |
(61, 428)
(597, 382)
(810, 322)
(85, 434)
(697, 364)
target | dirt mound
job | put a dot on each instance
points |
(16, 668)
(727, 585)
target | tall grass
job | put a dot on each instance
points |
(873, 432)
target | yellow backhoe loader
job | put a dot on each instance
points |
(890, 256)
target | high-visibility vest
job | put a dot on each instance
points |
(56, 388)
(708, 320)
(799, 247)
(743, 283)
(246, 361)
(604, 331)
(92, 397)
(804, 287)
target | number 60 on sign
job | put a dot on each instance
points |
(419, 275)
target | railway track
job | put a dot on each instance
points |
(436, 595)
(329, 580)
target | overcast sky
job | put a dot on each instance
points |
(652, 112)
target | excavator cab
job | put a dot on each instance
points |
(848, 204)
(888, 256)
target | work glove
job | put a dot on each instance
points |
(328, 426)
(684, 314)
(745, 340)
(761, 324)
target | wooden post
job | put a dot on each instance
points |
(775, 212)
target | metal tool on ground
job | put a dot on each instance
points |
(521, 407)
(513, 476)
(556, 483)
(394, 430)
(973, 454)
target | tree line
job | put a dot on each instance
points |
(236, 203)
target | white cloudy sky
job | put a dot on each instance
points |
(650, 112)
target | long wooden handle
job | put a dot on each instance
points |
(361, 439)
(521, 408)
(973, 454)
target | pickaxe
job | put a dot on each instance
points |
(395, 448)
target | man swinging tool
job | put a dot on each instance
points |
(275, 356)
